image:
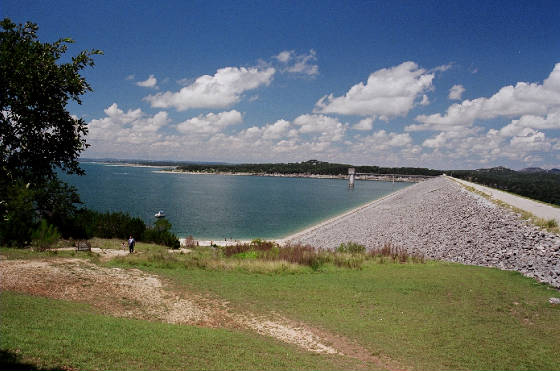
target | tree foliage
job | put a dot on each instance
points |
(37, 133)
(307, 167)
(543, 186)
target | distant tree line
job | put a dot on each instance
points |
(543, 186)
(311, 167)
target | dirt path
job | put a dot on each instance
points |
(136, 294)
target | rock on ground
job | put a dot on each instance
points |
(441, 220)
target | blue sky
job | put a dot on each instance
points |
(448, 84)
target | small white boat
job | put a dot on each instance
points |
(160, 214)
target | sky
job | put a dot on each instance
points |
(437, 84)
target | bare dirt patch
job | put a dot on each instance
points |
(135, 294)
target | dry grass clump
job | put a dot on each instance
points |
(306, 255)
(269, 257)
(396, 254)
(190, 242)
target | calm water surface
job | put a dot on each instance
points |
(220, 206)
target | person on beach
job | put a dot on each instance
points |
(131, 243)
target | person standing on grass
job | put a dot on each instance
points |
(131, 243)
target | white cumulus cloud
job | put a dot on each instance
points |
(125, 132)
(388, 92)
(364, 124)
(550, 121)
(284, 56)
(510, 101)
(150, 82)
(210, 123)
(221, 90)
(456, 92)
(329, 128)
(299, 63)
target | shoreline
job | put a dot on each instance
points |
(441, 220)
(303, 231)
(125, 164)
(343, 215)
(295, 175)
(171, 169)
(381, 178)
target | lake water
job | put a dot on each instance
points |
(220, 206)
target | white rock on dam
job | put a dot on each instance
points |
(442, 220)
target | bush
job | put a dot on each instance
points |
(398, 255)
(351, 248)
(45, 236)
(89, 223)
(352, 261)
(190, 242)
(271, 251)
(161, 235)
(18, 215)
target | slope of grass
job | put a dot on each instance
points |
(29, 254)
(432, 315)
(428, 316)
(41, 333)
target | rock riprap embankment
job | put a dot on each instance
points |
(442, 220)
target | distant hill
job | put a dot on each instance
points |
(313, 167)
(497, 169)
(533, 170)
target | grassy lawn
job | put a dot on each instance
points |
(12, 253)
(431, 315)
(53, 334)
(427, 316)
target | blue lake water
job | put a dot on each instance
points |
(222, 206)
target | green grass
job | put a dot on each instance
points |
(28, 254)
(433, 315)
(426, 316)
(266, 257)
(116, 244)
(57, 334)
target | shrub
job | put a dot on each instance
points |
(165, 238)
(45, 236)
(346, 260)
(108, 225)
(271, 251)
(236, 249)
(351, 248)
(18, 215)
(161, 235)
(398, 255)
(190, 242)
(90, 223)
(551, 223)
